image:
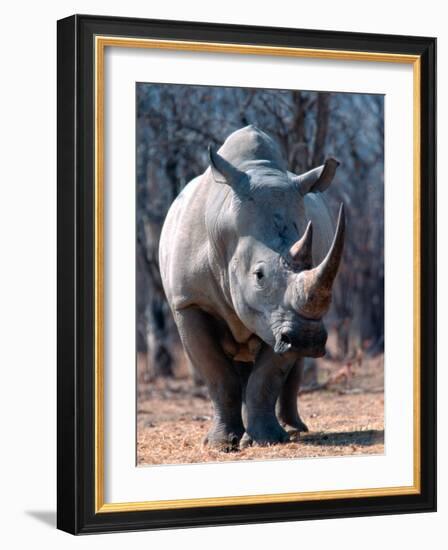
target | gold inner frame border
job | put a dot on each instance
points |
(100, 44)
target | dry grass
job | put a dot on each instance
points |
(346, 418)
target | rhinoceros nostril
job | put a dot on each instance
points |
(285, 339)
(283, 343)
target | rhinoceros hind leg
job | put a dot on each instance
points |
(198, 333)
(287, 410)
(244, 370)
(263, 388)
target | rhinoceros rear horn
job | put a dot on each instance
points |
(224, 172)
(318, 179)
(300, 253)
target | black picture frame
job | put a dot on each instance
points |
(76, 256)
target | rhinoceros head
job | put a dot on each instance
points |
(275, 289)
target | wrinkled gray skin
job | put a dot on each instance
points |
(236, 255)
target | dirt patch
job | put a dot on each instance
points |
(344, 412)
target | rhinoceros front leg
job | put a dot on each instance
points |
(200, 338)
(263, 388)
(287, 410)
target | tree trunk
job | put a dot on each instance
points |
(323, 109)
(152, 315)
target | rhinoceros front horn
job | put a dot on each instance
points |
(323, 275)
(315, 284)
(300, 253)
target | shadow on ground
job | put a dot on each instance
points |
(363, 438)
(44, 516)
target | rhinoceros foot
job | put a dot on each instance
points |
(295, 429)
(264, 434)
(295, 426)
(223, 440)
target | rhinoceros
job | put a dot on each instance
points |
(248, 256)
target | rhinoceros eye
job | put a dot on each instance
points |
(259, 274)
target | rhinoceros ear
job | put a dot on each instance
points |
(318, 179)
(224, 172)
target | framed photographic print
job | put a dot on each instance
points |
(246, 274)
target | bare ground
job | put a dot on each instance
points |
(344, 413)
